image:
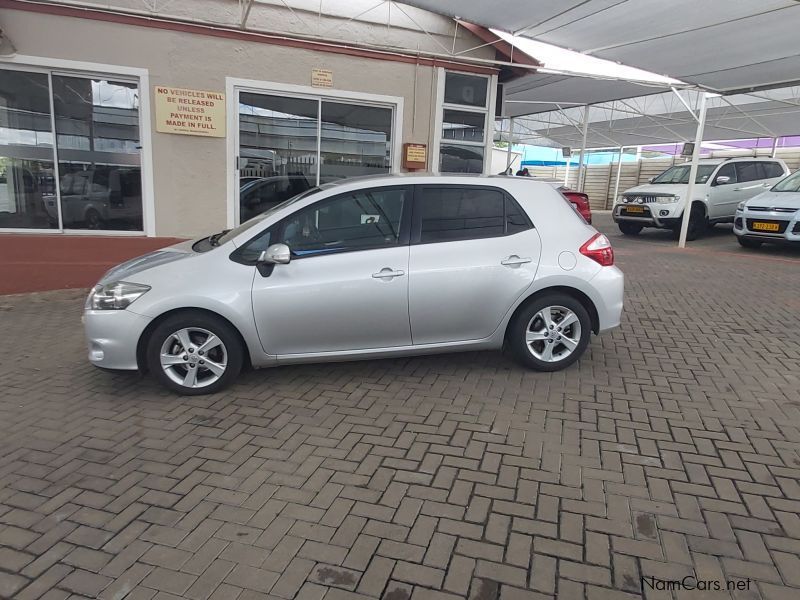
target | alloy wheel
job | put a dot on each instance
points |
(193, 357)
(553, 333)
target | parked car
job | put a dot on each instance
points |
(772, 216)
(364, 268)
(578, 199)
(721, 184)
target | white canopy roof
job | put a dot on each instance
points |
(663, 118)
(719, 45)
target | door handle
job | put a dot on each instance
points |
(387, 273)
(514, 261)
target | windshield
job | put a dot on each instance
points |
(790, 184)
(680, 174)
(257, 219)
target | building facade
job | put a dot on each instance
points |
(118, 121)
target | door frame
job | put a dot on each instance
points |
(235, 85)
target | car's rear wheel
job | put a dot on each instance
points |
(630, 228)
(194, 353)
(748, 243)
(550, 333)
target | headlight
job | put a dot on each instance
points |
(114, 296)
(740, 206)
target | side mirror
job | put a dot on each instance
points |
(276, 254)
(651, 180)
(722, 180)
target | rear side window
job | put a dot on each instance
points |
(749, 171)
(468, 212)
(772, 170)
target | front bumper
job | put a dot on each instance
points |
(652, 215)
(112, 337)
(788, 226)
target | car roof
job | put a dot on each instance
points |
(428, 177)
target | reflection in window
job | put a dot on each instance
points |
(352, 221)
(356, 140)
(97, 137)
(463, 126)
(278, 149)
(460, 159)
(27, 179)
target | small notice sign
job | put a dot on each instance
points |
(415, 156)
(190, 112)
(321, 78)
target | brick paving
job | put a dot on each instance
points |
(671, 449)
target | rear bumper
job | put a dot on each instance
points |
(609, 284)
(112, 337)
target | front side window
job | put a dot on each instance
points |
(790, 184)
(458, 213)
(358, 220)
(729, 172)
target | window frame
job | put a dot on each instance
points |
(416, 213)
(89, 70)
(487, 110)
(277, 228)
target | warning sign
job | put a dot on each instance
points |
(190, 112)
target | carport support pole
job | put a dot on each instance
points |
(619, 172)
(510, 142)
(698, 139)
(585, 133)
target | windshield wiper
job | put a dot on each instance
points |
(214, 239)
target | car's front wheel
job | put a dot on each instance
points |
(630, 228)
(550, 333)
(194, 353)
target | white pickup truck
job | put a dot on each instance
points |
(721, 184)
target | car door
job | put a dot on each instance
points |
(346, 285)
(751, 176)
(473, 253)
(723, 197)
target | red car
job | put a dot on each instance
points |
(580, 201)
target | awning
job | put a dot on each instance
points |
(719, 45)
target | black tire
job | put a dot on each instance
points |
(698, 223)
(630, 228)
(93, 220)
(232, 347)
(527, 316)
(748, 243)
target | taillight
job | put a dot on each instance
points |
(599, 249)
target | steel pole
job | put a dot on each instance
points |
(698, 140)
(581, 168)
(510, 142)
(619, 171)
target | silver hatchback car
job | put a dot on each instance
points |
(364, 268)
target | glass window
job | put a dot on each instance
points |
(457, 213)
(463, 125)
(352, 221)
(356, 140)
(790, 184)
(516, 220)
(729, 172)
(772, 170)
(27, 173)
(454, 158)
(97, 138)
(680, 174)
(277, 149)
(467, 90)
(748, 171)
